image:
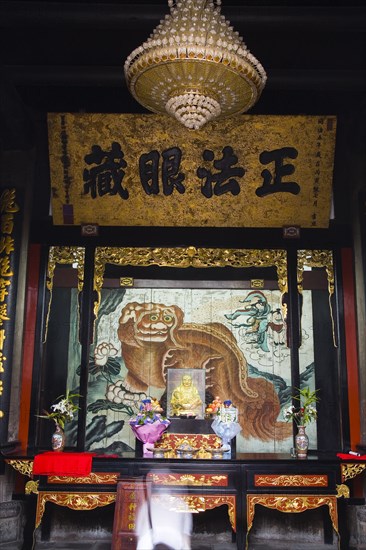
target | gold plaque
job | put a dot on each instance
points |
(148, 170)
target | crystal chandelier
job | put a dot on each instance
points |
(194, 66)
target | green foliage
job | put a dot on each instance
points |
(111, 368)
(306, 412)
(104, 404)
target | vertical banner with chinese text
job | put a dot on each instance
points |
(9, 260)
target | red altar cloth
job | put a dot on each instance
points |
(347, 456)
(62, 464)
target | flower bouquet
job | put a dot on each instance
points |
(149, 424)
(302, 415)
(61, 412)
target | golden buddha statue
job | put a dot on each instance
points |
(185, 398)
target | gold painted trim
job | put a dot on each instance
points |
(318, 258)
(350, 470)
(75, 501)
(25, 466)
(343, 491)
(188, 479)
(65, 255)
(291, 504)
(196, 441)
(315, 258)
(31, 487)
(93, 478)
(188, 257)
(257, 283)
(198, 503)
(291, 480)
(9, 245)
(126, 281)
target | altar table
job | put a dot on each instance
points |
(243, 483)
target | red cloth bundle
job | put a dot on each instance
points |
(347, 456)
(62, 464)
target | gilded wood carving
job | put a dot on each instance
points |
(198, 503)
(291, 480)
(292, 504)
(352, 469)
(64, 255)
(188, 257)
(189, 479)
(75, 501)
(317, 258)
(93, 478)
(24, 467)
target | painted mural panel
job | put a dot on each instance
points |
(237, 336)
(307, 368)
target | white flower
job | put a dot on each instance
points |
(288, 413)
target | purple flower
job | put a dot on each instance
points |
(148, 415)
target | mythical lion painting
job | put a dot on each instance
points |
(238, 337)
(155, 337)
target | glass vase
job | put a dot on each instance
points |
(301, 442)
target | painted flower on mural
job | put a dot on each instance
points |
(118, 393)
(103, 362)
(103, 352)
(118, 398)
(63, 410)
(306, 412)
